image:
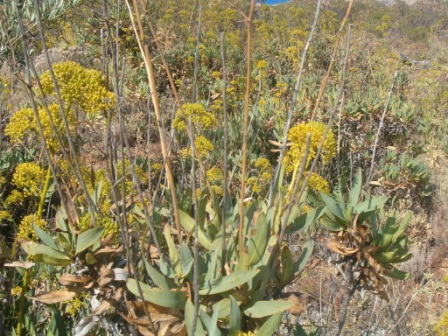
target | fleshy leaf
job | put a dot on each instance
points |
(88, 238)
(161, 297)
(267, 308)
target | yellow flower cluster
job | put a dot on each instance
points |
(262, 65)
(203, 146)
(262, 164)
(200, 118)
(156, 167)
(242, 333)
(216, 74)
(28, 177)
(81, 87)
(23, 124)
(217, 190)
(5, 216)
(14, 197)
(109, 225)
(78, 302)
(215, 175)
(16, 291)
(26, 230)
(318, 183)
(297, 135)
(264, 175)
(217, 107)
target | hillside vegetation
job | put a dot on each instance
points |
(223, 167)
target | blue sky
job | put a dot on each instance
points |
(274, 2)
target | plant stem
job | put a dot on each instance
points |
(332, 60)
(349, 291)
(144, 49)
(380, 126)
(293, 105)
(245, 124)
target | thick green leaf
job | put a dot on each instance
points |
(173, 253)
(45, 237)
(228, 282)
(388, 232)
(50, 260)
(224, 308)
(214, 257)
(267, 308)
(403, 225)
(355, 192)
(300, 264)
(270, 326)
(88, 238)
(97, 192)
(44, 254)
(186, 200)
(212, 328)
(186, 258)
(161, 297)
(332, 206)
(306, 219)
(370, 204)
(259, 240)
(287, 264)
(384, 257)
(188, 224)
(34, 250)
(189, 317)
(235, 315)
(397, 274)
(158, 278)
(333, 224)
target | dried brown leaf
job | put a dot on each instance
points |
(69, 279)
(56, 296)
(110, 249)
(340, 248)
(104, 305)
(21, 264)
(300, 304)
(72, 214)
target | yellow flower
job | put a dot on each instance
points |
(297, 135)
(216, 74)
(218, 190)
(203, 146)
(23, 124)
(14, 197)
(318, 183)
(28, 177)
(262, 65)
(26, 230)
(262, 164)
(81, 87)
(5, 216)
(215, 174)
(200, 118)
(16, 291)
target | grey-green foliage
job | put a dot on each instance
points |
(9, 28)
(233, 285)
(360, 233)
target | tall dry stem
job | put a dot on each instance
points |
(245, 127)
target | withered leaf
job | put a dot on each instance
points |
(56, 296)
(69, 279)
(21, 264)
(340, 248)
